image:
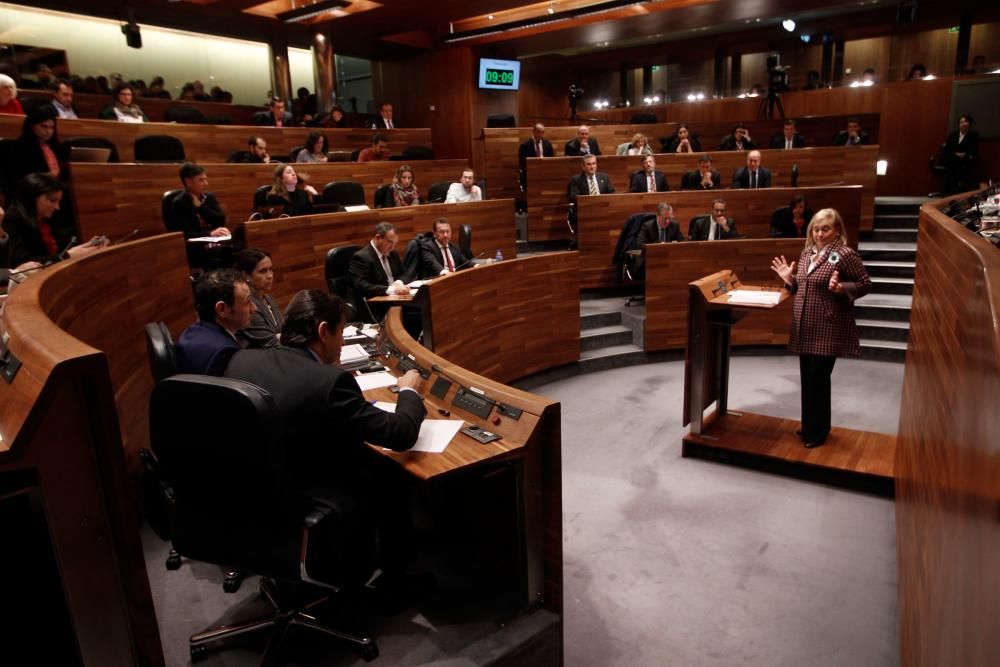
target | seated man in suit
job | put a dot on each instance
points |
(535, 146)
(661, 229)
(713, 226)
(326, 422)
(196, 211)
(465, 190)
(753, 175)
(852, 136)
(384, 120)
(649, 179)
(588, 182)
(703, 178)
(583, 144)
(788, 138)
(738, 140)
(277, 116)
(376, 270)
(440, 256)
(62, 101)
(256, 151)
(222, 301)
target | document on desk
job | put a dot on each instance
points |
(368, 330)
(435, 434)
(375, 380)
(754, 297)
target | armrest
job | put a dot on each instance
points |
(316, 515)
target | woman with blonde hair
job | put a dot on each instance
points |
(827, 279)
(404, 190)
(291, 191)
(639, 145)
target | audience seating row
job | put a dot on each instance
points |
(215, 143)
(548, 178)
(114, 199)
(501, 145)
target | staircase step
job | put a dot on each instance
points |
(897, 220)
(883, 350)
(609, 336)
(890, 235)
(890, 268)
(887, 251)
(895, 307)
(891, 285)
(883, 329)
(615, 356)
(600, 319)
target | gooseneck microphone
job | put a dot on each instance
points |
(469, 261)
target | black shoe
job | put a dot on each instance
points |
(813, 445)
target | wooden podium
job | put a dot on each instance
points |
(855, 459)
(711, 315)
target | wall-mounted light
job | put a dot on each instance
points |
(789, 25)
(881, 167)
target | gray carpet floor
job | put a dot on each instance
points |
(667, 561)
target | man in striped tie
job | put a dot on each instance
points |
(588, 182)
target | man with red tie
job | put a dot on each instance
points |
(649, 179)
(440, 256)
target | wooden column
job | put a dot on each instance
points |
(326, 73)
(281, 75)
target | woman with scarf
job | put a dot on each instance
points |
(829, 279)
(404, 190)
(123, 110)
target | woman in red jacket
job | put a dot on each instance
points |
(829, 278)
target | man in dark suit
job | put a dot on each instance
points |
(649, 179)
(440, 256)
(276, 116)
(384, 120)
(376, 270)
(714, 226)
(196, 212)
(222, 301)
(661, 229)
(256, 152)
(588, 182)
(535, 146)
(583, 144)
(852, 136)
(704, 178)
(788, 138)
(325, 423)
(738, 140)
(753, 175)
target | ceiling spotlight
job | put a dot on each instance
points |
(789, 25)
(597, 104)
(805, 38)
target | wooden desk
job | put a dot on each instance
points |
(501, 144)
(214, 143)
(114, 199)
(601, 218)
(548, 178)
(531, 443)
(90, 105)
(670, 267)
(506, 320)
(299, 245)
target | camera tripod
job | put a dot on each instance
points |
(768, 104)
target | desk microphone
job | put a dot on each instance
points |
(62, 254)
(134, 232)
(469, 261)
(795, 175)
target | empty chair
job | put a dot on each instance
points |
(234, 504)
(501, 120)
(354, 154)
(159, 148)
(412, 264)
(338, 280)
(644, 119)
(412, 153)
(481, 183)
(383, 196)
(345, 193)
(437, 192)
(183, 113)
(94, 142)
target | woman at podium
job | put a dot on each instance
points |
(826, 280)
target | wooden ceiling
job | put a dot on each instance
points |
(381, 29)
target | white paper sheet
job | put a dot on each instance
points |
(435, 434)
(754, 297)
(375, 380)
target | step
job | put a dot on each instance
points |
(609, 336)
(890, 285)
(883, 329)
(890, 268)
(891, 251)
(900, 220)
(883, 350)
(615, 356)
(895, 307)
(890, 235)
(600, 319)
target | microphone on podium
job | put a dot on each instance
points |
(795, 175)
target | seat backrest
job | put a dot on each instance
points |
(383, 196)
(160, 348)
(345, 193)
(643, 119)
(218, 441)
(94, 142)
(411, 259)
(260, 196)
(237, 157)
(165, 202)
(481, 184)
(437, 192)
(182, 113)
(338, 280)
(354, 154)
(465, 239)
(501, 120)
(294, 153)
(414, 153)
(159, 148)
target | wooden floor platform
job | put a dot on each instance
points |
(860, 460)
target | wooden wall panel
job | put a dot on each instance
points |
(214, 143)
(601, 218)
(671, 266)
(947, 452)
(526, 314)
(299, 245)
(114, 199)
(548, 178)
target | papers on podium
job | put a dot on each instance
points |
(435, 434)
(211, 239)
(754, 297)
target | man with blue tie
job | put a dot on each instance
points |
(649, 179)
(752, 176)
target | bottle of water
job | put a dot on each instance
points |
(374, 127)
(499, 256)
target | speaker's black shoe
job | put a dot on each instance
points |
(812, 445)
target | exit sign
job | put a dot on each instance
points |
(954, 28)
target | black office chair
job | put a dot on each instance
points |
(345, 193)
(412, 266)
(294, 153)
(415, 153)
(338, 279)
(94, 142)
(159, 148)
(628, 267)
(165, 202)
(237, 157)
(354, 154)
(233, 505)
(644, 119)
(482, 187)
(383, 197)
(437, 192)
(465, 239)
(501, 120)
(183, 113)
(261, 118)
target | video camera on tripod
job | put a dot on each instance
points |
(777, 76)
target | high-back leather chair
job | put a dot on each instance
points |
(437, 192)
(219, 441)
(94, 142)
(183, 113)
(159, 148)
(160, 348)
(383, 196)
(345, 193)
(165, 201)
(338, 279)
(465, 239)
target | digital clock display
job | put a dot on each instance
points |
(502, 77)
(499, 74)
